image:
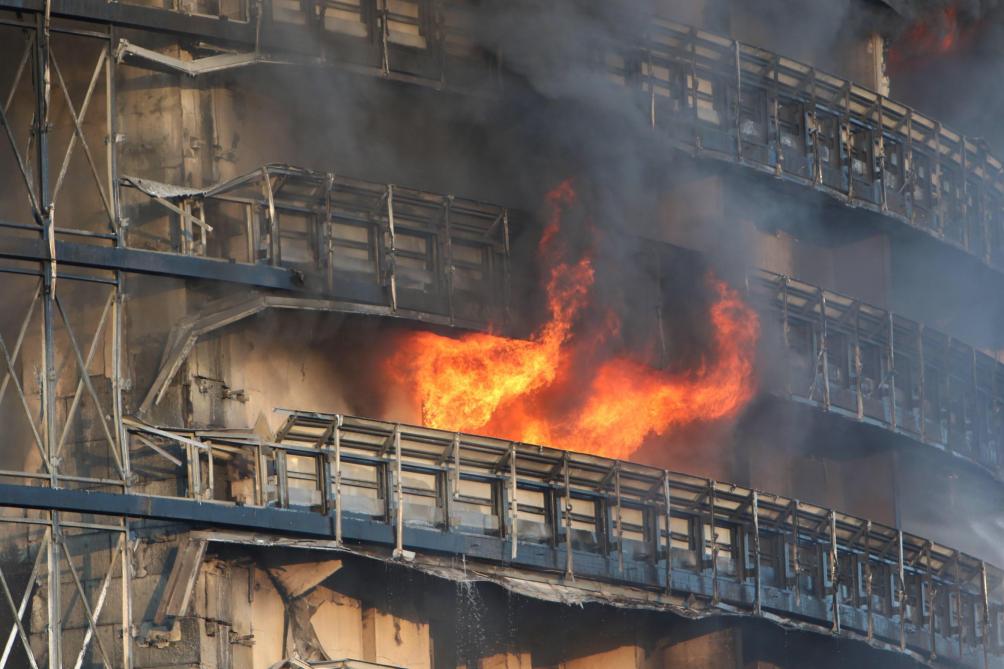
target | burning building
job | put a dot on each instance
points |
(492, 335)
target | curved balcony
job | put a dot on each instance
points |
(676, 542)
(720, 98)
(712, 97)
(422, 255)
(874, 366)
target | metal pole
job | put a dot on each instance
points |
(901, 593)
(337, 437)
(569, 564)
(619, 528)
(398, 496)
(668, 498)
(757, 587)
(513, 503)
(834, 572)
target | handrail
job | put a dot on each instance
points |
(884, 369)
(422, 486)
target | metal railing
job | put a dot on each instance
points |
(881, 368)
(406, 249)
(534, 507)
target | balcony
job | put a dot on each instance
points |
(671, 537)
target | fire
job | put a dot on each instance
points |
(549, 389)
(939, 33)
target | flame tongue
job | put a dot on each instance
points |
(534, 391)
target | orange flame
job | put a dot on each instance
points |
(508, 387)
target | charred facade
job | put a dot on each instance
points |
(740, 272)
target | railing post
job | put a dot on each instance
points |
(834, 572)
(569, 561)
(757, 587)
(337, 438)
(398, 497)
(513, 503)
(668, 500)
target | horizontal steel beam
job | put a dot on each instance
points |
(150, 262)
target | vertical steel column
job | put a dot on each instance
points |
(392, 251)
(737, 56)
(41, 129)
(337, 438)
(668, 499)
(834, 572)
(126, 597)
(513, 503)
(398, 496)
(714, 542)
(824, 350)
(786, 332)
(901, 592)
(985, 597)
(757, 586)
(795, 561)
(569, 563)
(619, 528)
(448, 247)
(868, 580)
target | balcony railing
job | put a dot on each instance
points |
(538, 508)
(878, 367)
(382, 244)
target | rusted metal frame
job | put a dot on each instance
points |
(757, 580)
(618, 517)
(12, 375)
(868, 581)
(329, 233)
(398, 496)
(715, 595)
(111, 146)
(392, 251)
(92, 349)
(149, 443)
(17, 617)
(878, 145)
(92, 614)
(817, 164)
(834, 572)
(775, 105)
(932, 591)
(450, 269)
(891, 357)
(985, 601)
(86, 379)
(936, 180)
(694, 90)
(274, 250)
(859, 396)
(513, 501)
(957, 593)
(125, 591)
(795, 549)
(736, 50)
(383, 13)
(900, 594)
(337, 439)
(922, 382)
(25, 598)
(824, 349)
(786, 329)
(667, 497)
(20, 339)
(967, 241)
(78, 133)
(5, 122)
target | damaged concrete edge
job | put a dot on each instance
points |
(556, 589)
